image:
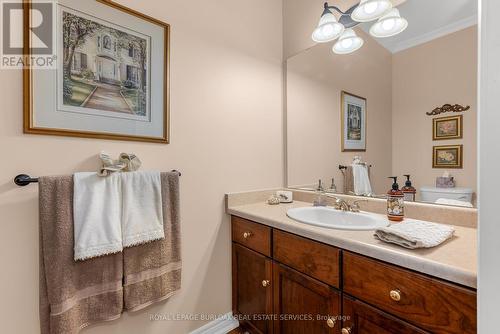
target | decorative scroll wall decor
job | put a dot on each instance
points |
(448, 108)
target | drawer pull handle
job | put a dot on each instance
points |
(247, 235)
(346, 330)
(266, 283)
(395, 295)
(330, 322)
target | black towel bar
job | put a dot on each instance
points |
(23, 179)
(345, 167)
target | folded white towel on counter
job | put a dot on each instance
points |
(361, 180)
(142, 218)
(415, 234)
(456, 202)
(97, 212)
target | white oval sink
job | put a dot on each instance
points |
(337, 219)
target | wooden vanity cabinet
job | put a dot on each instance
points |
(252, 290)
(303, 304)
(287, 284)
(361, 318)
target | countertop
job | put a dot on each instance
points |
(454, 260)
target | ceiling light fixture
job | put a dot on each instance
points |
(348, 43)
(389, 23)
(369, 10)
(328, 28)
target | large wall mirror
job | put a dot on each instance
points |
(400, 105)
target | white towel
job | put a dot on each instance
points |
(361, 180)
(117, 211)
(142, 218)
(97, 211)
(456, 202)
(415, 234)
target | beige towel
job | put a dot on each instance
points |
(152, 272)
(73, 294)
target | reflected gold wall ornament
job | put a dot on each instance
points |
(448, 108)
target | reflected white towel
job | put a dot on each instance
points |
(362, 186)
(415, 234)
(456, 202)
(142, 218)
(97, 212)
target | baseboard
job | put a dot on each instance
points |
(223, 325)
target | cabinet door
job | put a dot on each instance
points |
(360, 318)
(252, 291)
(304, 305)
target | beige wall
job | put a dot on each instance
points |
(315, 79)
(226, 136)
(424, 77)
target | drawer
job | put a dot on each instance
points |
(252, 235)
(432, 304)
(309, 257)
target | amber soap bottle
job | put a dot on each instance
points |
(395, 202)
(408, 190)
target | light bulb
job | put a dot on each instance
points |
(328, 28)
(371, 7)
(346, 43)
(388, 24)
(369, 10)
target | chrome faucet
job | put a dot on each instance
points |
(354, 207)
(341, 204)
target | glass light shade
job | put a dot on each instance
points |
(348, 42)
(389, 25)
(369, 10)
(328, 29)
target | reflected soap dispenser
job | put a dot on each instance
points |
(395, 202)
(408, 190)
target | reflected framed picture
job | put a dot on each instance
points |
(447, 128)
(353, 122)
(450, 156)
(110, 78)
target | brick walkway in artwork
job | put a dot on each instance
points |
(108, 97)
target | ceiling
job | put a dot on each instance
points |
(428, 20)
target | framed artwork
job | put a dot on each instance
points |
(448, 156)
(111, 75)
(447, 128)
(353, 122)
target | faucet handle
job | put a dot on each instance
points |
(354, 207)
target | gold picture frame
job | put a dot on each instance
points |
(445, 128)
(448, 156)
(354, 137)
(28, 111)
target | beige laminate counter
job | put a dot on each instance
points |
(454, 260)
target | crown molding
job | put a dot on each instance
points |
(440, 32)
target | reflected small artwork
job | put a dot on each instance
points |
(448, 156)
(353, 115)
(447, 128)
(353, 122)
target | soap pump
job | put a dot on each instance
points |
(320, 195)
(408, 190)
(395, 202)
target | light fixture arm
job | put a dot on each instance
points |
(337, 9)
(345, 17)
